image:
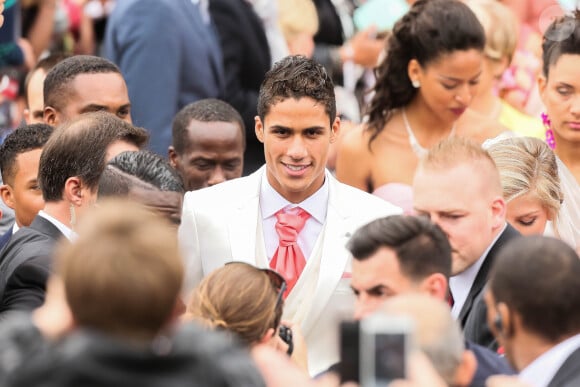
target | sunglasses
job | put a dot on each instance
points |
(277, 281)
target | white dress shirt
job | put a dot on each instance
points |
(461, 284)
(15, 228)
(67, 232)
(271, 202)
(541, 371)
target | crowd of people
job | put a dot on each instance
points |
(240, 192)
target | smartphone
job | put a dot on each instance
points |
(385, 342)
(349, 366)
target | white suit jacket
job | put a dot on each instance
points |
(219, 224)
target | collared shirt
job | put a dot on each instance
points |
(15, 228)
(271, 202)
(461, 284)
(67, 232)
(203, 6)
(542, 370)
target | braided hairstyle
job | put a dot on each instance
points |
(431, 29)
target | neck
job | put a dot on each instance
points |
(60, 211)
(528, 347)
(428, 129)
(567, 151)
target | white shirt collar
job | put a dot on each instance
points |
(67, 232)
(542, 370)
(271, 201)
(15, 228)
(461, 284)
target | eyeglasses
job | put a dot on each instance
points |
(277, 281)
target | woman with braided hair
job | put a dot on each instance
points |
(423, 89)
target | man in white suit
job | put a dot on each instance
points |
(238, 219)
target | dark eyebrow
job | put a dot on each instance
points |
(95, 107)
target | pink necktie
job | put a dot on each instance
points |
(288, 260)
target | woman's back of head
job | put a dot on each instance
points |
(239, 298)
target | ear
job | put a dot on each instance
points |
(414, 70)
(73, 191)
(26, 114)
(542, 83)
(335, 130)
(267, 336)
(466, 369)
(50, 116)
(259, 128)
(500, 66)
(6, 193)
(506, 327)
(172, 156)
(498, 211)
(435, 285)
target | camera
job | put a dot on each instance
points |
(374, 352)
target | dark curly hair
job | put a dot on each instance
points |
(430, 29)
(561, 37)
(297, 77)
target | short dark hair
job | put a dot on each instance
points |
(538, 278)
(77, 148)
(421, 246)
(429, 30)
(22, 139)
(205, 110)
(560, 38)
(45, 64)
(297, 77)
(133, 134)
(149, 168)
(57, 80)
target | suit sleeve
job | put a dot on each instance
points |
(146, 47)
(189, 245)
(26, 287)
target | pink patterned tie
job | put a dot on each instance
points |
(288, 260)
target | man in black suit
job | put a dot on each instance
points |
(533, 301)
(19, 158)
(457, 185)
(70, 167)
(401, 255)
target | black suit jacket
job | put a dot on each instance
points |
(246, 56)
(569, 374)
(473, 315)
(25, 266)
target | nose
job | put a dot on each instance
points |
(361, 307)
(217, 176)
(465, 94)
(297, 148)
(575, 106)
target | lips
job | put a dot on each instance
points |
(574, 125)
(296, 169)
(458, 111)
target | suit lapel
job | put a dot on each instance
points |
(243, 221)
(45, 227)
(481, 278)
(334, 256)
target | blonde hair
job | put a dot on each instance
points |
(296, 17)
(239, 298)
(499, 23)
(123, 273)
(528, 165)
(456, 151)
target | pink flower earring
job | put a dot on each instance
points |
(549, 132)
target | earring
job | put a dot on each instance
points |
(73, 216)
(550, 140)
(416, 84)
